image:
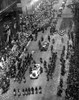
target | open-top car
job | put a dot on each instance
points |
(44, 46)
(36, 71)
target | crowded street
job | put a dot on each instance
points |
(47, 52)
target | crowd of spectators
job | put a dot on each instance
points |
(62, 63)
(51, 65)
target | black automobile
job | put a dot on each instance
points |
(45, 46)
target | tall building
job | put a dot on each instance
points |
(8, 14)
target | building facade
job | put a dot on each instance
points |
(8, 16)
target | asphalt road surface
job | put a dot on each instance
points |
(49, 89)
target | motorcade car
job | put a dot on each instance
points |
(53, 41)
(60, 9)
(45, 46)
(36, 71)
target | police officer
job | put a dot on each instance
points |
(40, 90)
(48, 38)
(23, 90)
(42, 38)
(36, 90)
(28, 90)
(32, 89)
(41, 61)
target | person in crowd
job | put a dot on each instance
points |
(26, 91)
(51, 48)
(42, 39)
(24, 79)
(19, 93)
(32, 89)
(62, 40)
(23, 92)
(53, 41)
(45, 63)
(59, 93)
(14, 92)
(47, 74)
(5, 84)
(36, 90)
(29, 90)
(42, 28)
(40, 90)
(41, 60)
(48, 38)
(39, 44)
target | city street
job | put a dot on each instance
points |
(49, 88)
